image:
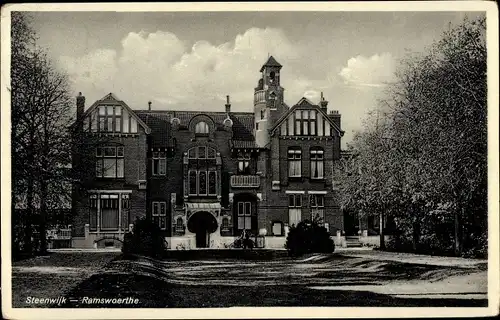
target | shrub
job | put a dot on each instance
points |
(146, 239)
(309, 237)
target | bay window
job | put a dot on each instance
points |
(105, 209)
(202, 171)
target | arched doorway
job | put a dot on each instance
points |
(202, 224)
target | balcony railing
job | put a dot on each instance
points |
(259, 96)
(250, 181)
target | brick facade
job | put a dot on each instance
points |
(200, 148)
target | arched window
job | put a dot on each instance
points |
(317, 163)
(179, 225)
(201, 128)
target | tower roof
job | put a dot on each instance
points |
(271, 62)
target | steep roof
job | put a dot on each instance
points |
(160, 123)
(305, 103)
(111, 99)
(271, 62)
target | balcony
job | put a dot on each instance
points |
(248, 181)
(259, 96)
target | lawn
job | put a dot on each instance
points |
(323, 280)
(53, 275)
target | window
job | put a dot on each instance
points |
(317, 163)
(113, 119)
(305, 123)
(160, 214)
(109, 212)
(294, 162)
(257, 126)
(202, 174)
(201, 128)
(159, 163)
(317, 202)
(243, 163)
(110, 162)
(125, 211)
(93, 212)
(179, 225)
(294, 209)
(262, 114)
(105, 211)
(225, 224)
(245, 215)
(277, 228)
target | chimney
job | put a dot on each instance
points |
(228, 105)
(335, 116)
(80, 106)
(149, 105)
(323, 103)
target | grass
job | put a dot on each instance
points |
(52, 275)
(284, 282)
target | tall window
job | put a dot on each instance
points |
(93, 212)
(317, 163)
(262, 114)
(294, 209)
(110, 162)
(305, 123)
(202, 174)
(109, 212)
(110, 118)
(179, 225)
(201, 128)
(160, 214)
(243, 163)
(245, 212)
(225, 224)
(294, 162)
(159, 163)
(317, 202)
(105, 211)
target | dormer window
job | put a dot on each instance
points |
(201, 128)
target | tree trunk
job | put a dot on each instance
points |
(382, 237)
(43, 217)
(458, 247)
(28, 228)
(416, 234)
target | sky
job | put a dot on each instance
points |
(192, 60)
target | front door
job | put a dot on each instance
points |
(202, 224)
(201, 238)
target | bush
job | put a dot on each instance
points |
(146, 239)
(309, 237)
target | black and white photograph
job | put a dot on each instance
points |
(200, 157)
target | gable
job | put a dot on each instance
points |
(115, 114)
(305, 118)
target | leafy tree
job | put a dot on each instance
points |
(41, 116)
(423, 159)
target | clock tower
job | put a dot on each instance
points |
(268, 100)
